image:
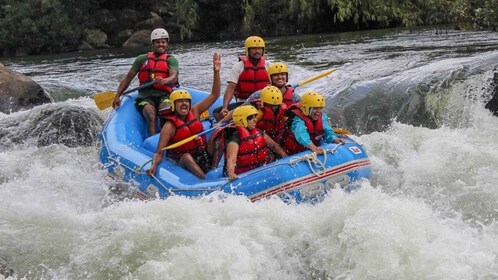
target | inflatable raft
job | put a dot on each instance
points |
(126, 152)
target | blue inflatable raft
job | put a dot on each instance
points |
(126, 151)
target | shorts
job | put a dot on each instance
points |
(155, 101)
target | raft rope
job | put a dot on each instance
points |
(313, 161)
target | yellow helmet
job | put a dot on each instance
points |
(311, 100)
(254, 42)
(178, 94)
(271, 95)
(241, 113)
(278, 67)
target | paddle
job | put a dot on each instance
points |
(319, 76)
(341, 131)
(104, 99)
(186, 140)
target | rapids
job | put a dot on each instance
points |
(415, 100)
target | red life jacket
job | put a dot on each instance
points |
(253, 151)
(185, 129)
(287, 96)
(273, 124)
(253, 78)
(314, 128)
(155, 66)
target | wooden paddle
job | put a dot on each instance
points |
(314, 78)
(186, 140)
(104, 99)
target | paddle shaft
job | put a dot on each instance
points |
(186, 140)
(314, 78)
(146, 85)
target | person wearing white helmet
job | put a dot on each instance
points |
(157, 66)
(248, 75)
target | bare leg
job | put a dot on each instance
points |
(149, 113)
(188, 162)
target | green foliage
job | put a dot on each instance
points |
(38, 26)
(187, 17)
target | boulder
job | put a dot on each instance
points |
(492, 104)
(56, 123)
(140, 38)
(96, 38)
(18, 92)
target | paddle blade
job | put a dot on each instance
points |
(104, 100)
(341, 131)
(179, 143)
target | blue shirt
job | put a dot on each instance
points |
(298, 127)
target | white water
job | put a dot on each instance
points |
(428, 212)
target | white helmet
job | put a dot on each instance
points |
(159, 33)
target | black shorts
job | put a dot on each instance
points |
(204, 160)
(140, 102)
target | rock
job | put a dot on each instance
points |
(96, 38)
(140, 38)
(492, 104)
(56, 123)
(85, 46)
(19, 92)
(154, 21)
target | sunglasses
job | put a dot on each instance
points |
(249, 118)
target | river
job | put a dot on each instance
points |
(413, 98)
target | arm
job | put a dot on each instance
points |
(167, 132)
(229, 115)
(123, 85)
(172, 79)
(233, 79)
(329, 135)
(227, 97)
(274, 146)
(255, 95)
(215, 90)
(232, 151)
(302, 136)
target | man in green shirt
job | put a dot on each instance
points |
(157, 66)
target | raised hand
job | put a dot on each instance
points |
(216, 62)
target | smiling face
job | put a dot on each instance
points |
(160, 45)
(279, 80)
(316, 113)
(182, 107)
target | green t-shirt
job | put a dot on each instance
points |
(140, 60)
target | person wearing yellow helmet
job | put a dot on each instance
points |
(279, 77)
(246, 76)
(183, 122)
(308, 126)
(157, 66)
(248, 147)
(271, 111)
